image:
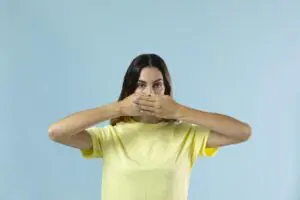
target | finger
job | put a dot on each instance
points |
(136, 97)
(147, 98)
(147, 108)
(146, 112)
(145, 103)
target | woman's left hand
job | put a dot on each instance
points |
(162, 106)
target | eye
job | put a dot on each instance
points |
(141, 85)
(157, 85)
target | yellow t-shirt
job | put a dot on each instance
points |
(147, 161)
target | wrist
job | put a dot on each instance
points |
(180, 112)
(116, 109)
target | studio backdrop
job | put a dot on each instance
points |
(239, 58)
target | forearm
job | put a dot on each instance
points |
(218, 123)
(79, 121)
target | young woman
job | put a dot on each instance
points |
(152, 141)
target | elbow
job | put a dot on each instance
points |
(246, 133)
(54, 133)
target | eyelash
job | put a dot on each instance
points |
(141, 85)
(144, 85)
(157, 85)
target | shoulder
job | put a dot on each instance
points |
(108, 128)
(100, 132)
(179, 125)
(187, 128)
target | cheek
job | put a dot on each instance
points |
(138, 90)
(160, 91)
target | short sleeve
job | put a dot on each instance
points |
(202, 138)
(199, 143)
(96, 150)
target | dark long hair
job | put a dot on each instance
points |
(132, 76)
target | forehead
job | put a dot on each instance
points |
(150, 74)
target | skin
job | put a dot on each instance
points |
(150, 83)
(149, 105)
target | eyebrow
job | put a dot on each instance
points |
(153, 81)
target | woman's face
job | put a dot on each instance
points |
(150, 82)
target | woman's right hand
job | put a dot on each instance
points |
(128, 107)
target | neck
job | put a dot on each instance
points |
(148, 119)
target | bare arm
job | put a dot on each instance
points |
(71, 130)
(225, 130)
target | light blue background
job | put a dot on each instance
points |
(239, 58)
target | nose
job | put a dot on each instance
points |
(148, 91)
